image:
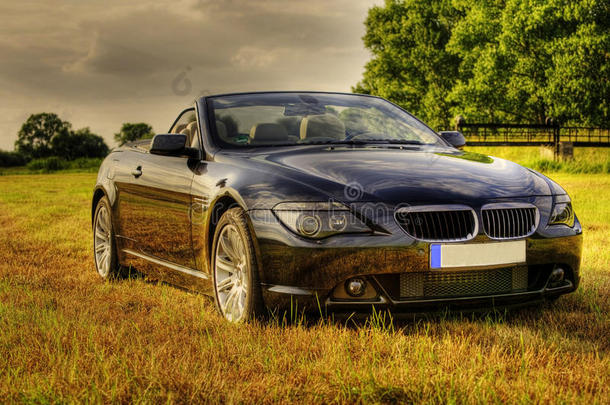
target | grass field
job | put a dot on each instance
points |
(66, 336)
(585, 160)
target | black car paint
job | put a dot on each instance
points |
(167, 213)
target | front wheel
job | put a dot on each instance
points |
(237, 289)
(104, 248)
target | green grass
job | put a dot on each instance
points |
(53, 165)
(585, 161)
(66, 336)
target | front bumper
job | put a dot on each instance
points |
(469, 304)
(299, 272)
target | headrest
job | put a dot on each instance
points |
(268, 133)
(192, 131)
(324, 126)
(221, 130)
(179, 129)
(192, 126)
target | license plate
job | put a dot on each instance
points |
(444, 256)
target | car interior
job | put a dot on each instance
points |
(188, 128)
(320, 127)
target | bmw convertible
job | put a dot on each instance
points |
(333, 202)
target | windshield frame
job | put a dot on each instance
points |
(215, 139)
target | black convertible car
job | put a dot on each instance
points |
(336, 201)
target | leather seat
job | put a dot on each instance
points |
(268, 133)
(178, 129)
(325, 126)
(186, 131)
(192, 134)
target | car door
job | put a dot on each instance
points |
(164, 203)
(156, 204)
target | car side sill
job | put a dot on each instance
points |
(167, 264)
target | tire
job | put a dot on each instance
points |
(237, 290)
(104, 246)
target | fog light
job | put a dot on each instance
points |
(355, 287)
(557, 276)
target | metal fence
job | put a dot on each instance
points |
(532, 135)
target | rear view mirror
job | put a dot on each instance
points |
(455, 138)
(168, 144)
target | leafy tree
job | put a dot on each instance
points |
(77, 144)
(34, 137)
(492, 60)
(9, 159)
(579, 88)
(529, 60)
(133, 131)
(410, 65)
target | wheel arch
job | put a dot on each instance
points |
(98, 194)
(221, 205)
(226, 200)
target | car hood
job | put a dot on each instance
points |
(396, 175)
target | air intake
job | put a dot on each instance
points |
(509, 220)
(462, 284)
(438, 223)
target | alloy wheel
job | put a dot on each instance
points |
(232, 276)
(103, 241)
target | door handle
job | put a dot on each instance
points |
(137, 172)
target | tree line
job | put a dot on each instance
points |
(45, 135)
(519, 61)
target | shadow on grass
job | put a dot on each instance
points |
(392, 321)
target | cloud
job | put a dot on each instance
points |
(107, 61)
(248, 57)
(115, 59)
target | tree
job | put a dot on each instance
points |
(492, 60)
(410, 65)
(9, 159)
(80, 143)
(529, 60)
(131, 132)
(34, 137)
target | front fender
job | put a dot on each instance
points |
(104, 185)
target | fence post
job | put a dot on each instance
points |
(556, 136)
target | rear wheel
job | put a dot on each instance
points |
(104, 249)
(237, 289)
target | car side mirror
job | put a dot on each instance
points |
(168, 144)
(455, 138)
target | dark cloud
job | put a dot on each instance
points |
(100, 63)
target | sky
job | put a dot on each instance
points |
(100, 63)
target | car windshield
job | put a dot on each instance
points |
(277, 119)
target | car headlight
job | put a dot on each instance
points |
(562, 213)
(319, 220)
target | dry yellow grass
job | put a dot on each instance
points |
(66, 336)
